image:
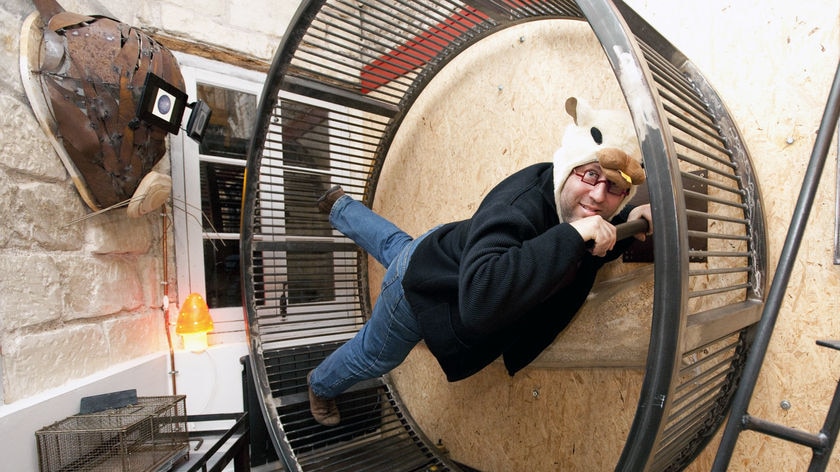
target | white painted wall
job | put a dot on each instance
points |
(20, 420)
(211, 380)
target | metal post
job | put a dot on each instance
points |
(819, 461)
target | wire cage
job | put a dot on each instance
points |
(150, 435)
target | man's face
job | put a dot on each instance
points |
(579, 199)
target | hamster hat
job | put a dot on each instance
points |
(604, 136)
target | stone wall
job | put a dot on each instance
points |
(76, 297)
(81, 296)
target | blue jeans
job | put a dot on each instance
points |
(390, 334)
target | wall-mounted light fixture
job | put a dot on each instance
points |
(194, 322)
(161, 104)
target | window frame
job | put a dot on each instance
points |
(188, 230)
(186, 159)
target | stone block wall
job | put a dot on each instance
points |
(78, 297)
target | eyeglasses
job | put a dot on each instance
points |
(593, 178)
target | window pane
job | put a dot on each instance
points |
(231, 121)
(221, 197)
(306, 142)
(221, 273)
(311, 277)
(305, 145)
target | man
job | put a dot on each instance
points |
(504, 282)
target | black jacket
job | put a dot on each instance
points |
(504, 282)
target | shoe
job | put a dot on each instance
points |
(327, 200)
(324, 410)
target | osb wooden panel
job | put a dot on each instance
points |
(494, 110)
(542, 420)
(490, 113)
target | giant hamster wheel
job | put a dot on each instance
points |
(362, 64)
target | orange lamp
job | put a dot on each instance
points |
(194, 322)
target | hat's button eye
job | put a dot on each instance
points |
(596, 135)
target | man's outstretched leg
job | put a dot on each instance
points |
(382, 344)
(373, 233)
(327, 200)
(390, 333)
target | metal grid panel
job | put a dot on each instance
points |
(719, 269)
(701, 396)
(373, 435)
(724, 258)
(724, 261)
(379, 48)
(305, 274)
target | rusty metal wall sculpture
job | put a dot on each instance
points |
(92, 71)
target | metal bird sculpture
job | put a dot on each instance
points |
(91, 72)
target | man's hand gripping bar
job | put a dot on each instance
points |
(625, 230)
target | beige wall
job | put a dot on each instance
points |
(77, 299)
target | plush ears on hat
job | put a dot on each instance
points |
(604, 136)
